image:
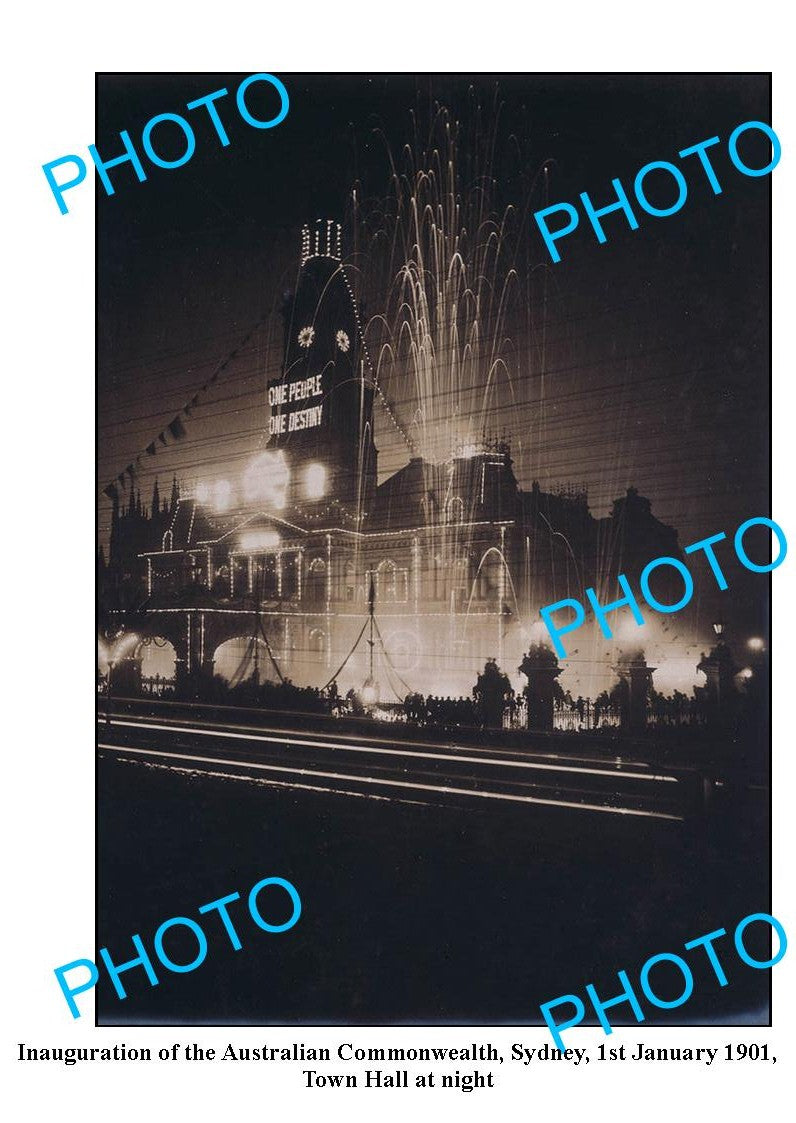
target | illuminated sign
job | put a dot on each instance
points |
(288, 415)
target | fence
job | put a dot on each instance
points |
(156, 686)
(569, 716)
(585, 715)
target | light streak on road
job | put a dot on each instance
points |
(348, 747)
(442, 789)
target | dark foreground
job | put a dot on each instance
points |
(412, 913)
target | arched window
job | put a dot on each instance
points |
(392, 582)
(289, 571)
(238, 659)
(316, 580)
(168, 540)
(317, 645)
(454, 511)
(428, 510)
(158, 665)
(385, 580)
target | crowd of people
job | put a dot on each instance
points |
(492, 704)
(433, 710)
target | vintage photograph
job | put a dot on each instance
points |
(433, 567)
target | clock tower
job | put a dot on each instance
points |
(321, 406)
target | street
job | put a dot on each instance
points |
(418, 770)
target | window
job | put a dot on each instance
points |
(402, 585)
(461, 583)
(317, 644)
(454, 510)
(316, 580)
(349, 581)
(289, 576)
(392, 583)
(439, 573)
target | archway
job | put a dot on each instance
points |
(316, 581)
(317, 646)
(241, 659)
(158, 666)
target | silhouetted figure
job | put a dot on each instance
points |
(492, 691)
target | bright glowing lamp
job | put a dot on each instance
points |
(254, 540)
(537, 632)
(222, 495)
(122, 647)
(314, 481)
(628, 631)
(755, 644)
(266, 479)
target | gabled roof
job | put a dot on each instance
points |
(223, 529)
(188, 524)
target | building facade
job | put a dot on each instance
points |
(278, 580)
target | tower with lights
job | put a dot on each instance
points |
(321, 456)
(293, 554)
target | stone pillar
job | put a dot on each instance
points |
(636, 676)
(126, 677)
(206, 649)
(719, 669)
(542, 669)
(182, 656)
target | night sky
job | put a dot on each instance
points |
(642, 361)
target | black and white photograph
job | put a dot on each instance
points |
(358, 431)
(400, 562)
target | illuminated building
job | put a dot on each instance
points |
(283, 558)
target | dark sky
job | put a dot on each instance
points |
(642, 361)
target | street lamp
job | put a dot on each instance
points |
(370, 691)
